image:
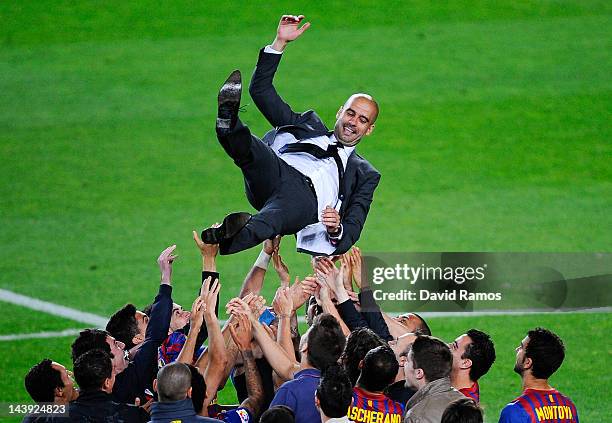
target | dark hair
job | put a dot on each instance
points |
(335, 391)
(423, 328)
(481, 351)
(173, 382)
(147, 309)
(546, 351)
(123, 325)
(358, 343)
(462, 410)
(90, 339)
(325, 341)
(198, 388)
(433, 356)
(278, 414)
(92, 368)
(41, 381)
(379, 369)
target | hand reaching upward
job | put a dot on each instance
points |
(288, 30)
(165, 260)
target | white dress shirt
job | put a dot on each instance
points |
(322, 172)
(324, 176)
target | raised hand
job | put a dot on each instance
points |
(322, 294)
(196, 318)
(288, 30)
(209, 294)
(242, 332)
(347, 271)
(165, 260)
(257, 305)
(300, 291)
(327, 272)
(209, 252)
(237, 306)
(281, 269)
(356, 263)
(272, 245)
(283, 303)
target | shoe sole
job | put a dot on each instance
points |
(232, 224)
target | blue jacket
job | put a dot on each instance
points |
(139, 374)
(166, 412)
(299, 395)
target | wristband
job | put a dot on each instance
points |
(263, 260)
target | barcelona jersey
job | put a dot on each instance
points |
(538, 405)
(374, 408)
(472, 392)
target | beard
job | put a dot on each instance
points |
(349, 144)
(338, 128)
(518, 368)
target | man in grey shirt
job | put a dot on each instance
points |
(427, 368)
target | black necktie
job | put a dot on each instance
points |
(319, 153)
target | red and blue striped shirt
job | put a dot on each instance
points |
(472, 392)
(372, 408)
(540, 405)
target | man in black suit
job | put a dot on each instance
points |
(300, 170)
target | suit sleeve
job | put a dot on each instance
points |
(356, 212)
(351, 316)
(140, 373)
(372, 315)
(262, 90)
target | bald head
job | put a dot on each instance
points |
(173, 382)
(365, 97)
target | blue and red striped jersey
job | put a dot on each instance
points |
(372, 408)
(472, 392)
(540, 405)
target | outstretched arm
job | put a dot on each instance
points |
(209, 274)
(213, 373)
(283, 306)
(242, 334)
(255, 278)
(267, 100)
(195, 320)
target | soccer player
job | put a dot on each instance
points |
(537, 358)
(370, 404)
(473, 356)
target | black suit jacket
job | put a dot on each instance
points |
(360, 177)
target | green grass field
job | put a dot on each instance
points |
(494, 135)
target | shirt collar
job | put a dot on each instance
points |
(308, 372)
(334, 141)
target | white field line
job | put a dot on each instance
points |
(507, 312)
(40, 335)
(100, 322)
(54, 309)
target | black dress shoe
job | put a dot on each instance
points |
(232, 224)
(229, 103)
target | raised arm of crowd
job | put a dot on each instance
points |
(353, 363)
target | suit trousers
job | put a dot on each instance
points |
(285, 198)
